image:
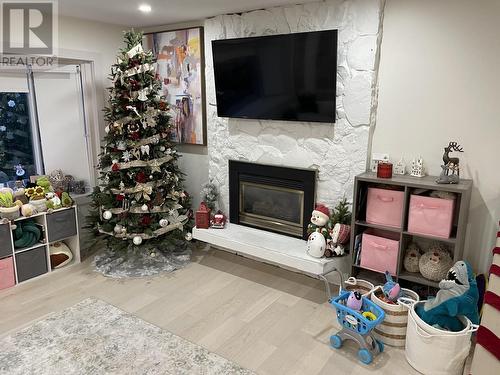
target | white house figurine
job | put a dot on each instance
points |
(417, 167)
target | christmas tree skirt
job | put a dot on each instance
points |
(139, 262)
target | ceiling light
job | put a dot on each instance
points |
(145, 8)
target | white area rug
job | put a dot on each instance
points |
(94, 337)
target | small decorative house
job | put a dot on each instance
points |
(417, 167)
(376, 159)
(400, 167)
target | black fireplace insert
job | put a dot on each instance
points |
(273, 198)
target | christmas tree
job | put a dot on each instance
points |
(16, 145)
(140, 201)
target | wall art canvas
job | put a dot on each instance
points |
(180, 67)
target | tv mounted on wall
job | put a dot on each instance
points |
(289, 77)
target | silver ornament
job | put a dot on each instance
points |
(189, 236)
(118, 228)
(144, 207)
(163, 223)
(106, 215)
(137, 240)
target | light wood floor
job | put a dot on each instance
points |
(267, 319)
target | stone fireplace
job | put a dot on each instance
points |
(273, 198)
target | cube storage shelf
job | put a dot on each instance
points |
(22, 264)
(408, 185)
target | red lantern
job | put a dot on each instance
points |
(202, 218)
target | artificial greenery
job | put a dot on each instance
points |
(138, 130)
(341, 213)
(6, 199)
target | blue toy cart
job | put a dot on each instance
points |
(357, 327)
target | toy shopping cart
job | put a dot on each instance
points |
(357, 326)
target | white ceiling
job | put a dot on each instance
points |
(164, 12)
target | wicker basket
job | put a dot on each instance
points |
(358, 285)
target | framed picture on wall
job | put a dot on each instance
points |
(180, 66)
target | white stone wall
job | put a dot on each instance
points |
(338, 151)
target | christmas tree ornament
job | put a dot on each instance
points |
(163, 223)
(137, 240)
(162, 148)
(152, 254)
(145, 150)
(142, 96)
(188, 236)
(118, 228)
(151, 176)
(126, 156)
(122, 185)
(121, 145)
(106, 215)
(144, 208)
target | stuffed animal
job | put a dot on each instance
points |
(354, 301)
(316, 245)
(435, 263)
(391, 289)
(319, 219)
(412, 257)
(339, 236)
(28, 210)
(457, 296)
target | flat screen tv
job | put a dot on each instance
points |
(289, 77)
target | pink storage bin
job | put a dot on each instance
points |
(430, 216)
(384, 207)
(380, 253)
(7, 278)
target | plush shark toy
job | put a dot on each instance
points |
(458, 296)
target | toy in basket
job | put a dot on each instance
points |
(357, 326)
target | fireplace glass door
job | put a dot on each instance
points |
(272, 207)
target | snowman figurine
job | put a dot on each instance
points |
(318, 232)
(319, 220)
(316, 245)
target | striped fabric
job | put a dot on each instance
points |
(486, 358)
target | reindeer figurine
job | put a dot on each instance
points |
(450, 164)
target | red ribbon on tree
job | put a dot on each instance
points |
(140, 177)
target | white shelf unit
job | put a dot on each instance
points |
(34, 261)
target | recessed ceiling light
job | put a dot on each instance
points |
(145, 8)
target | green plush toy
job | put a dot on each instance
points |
(66, 200)
(45, 183)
